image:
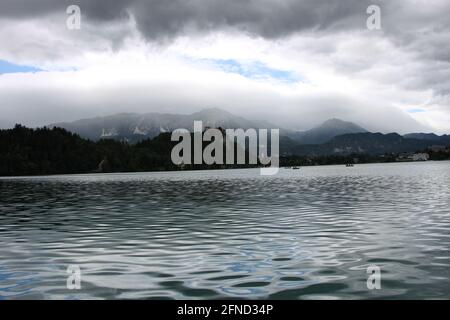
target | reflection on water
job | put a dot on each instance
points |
(302, 234)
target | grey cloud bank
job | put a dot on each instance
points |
(298, 112)
(266, 18)
(166, 18)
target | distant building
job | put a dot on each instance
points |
(413, 157)
(420, 157)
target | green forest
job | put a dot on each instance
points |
(45, 151)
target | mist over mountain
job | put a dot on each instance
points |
(133, 127)
(326, 131)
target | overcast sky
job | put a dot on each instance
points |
(294, 63)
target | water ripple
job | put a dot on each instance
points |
(304, 234)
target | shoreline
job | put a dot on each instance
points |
(205, 170)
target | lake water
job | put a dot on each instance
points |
(302, 234)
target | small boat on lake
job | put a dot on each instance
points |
(295, 168)
(349, 165)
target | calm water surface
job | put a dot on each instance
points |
(302, 234)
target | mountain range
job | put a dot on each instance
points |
(333, 137)
(325, 132)
(133, 127)
(367, 143)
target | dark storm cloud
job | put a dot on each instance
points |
(422, 26)
(407, 22)
(103, 10)
(270, 19)
(164, 19)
